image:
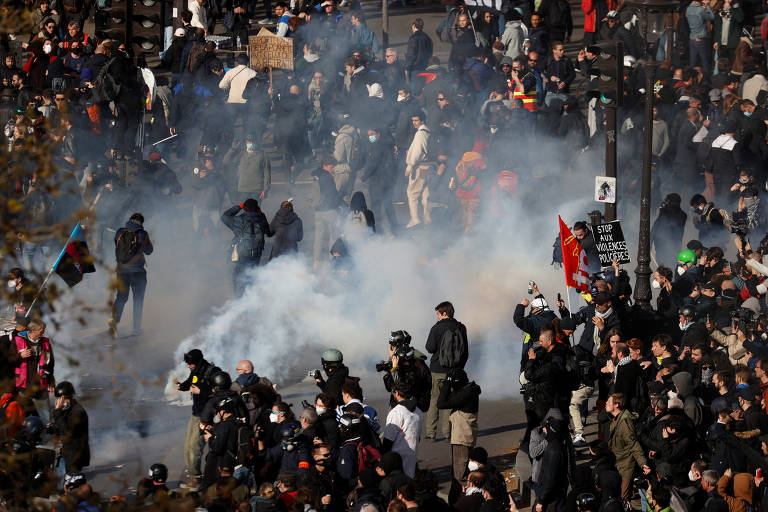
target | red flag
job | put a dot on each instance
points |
(574, 259)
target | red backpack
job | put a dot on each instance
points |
(367, 456)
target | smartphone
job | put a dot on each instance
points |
(759, 473)
(559, 297)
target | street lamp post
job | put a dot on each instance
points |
(652, 20)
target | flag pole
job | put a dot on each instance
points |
(568, 294)
(53, 267)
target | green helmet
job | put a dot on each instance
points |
(332, 355)
(686, 256)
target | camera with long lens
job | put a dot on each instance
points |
(740, 223)
(743, 319)
(383, 366)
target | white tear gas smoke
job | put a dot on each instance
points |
(290, 314)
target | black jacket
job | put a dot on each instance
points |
(543, 375)
(554, 472)
(415, 372)
(586, 345)
(72, 427)
(434, 340)
(288, 230)
(144, 244)
(209, 411)
(379, 165)
(685, 154)
(465, 399)
(332, 385)
(201, 377)
(224, 440)
(419, 52)
(328, 199)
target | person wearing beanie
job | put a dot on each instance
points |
(249, 226)
(198, 383)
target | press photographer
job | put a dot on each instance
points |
(406, 365)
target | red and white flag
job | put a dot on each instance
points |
(574, 259)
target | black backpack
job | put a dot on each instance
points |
(106, 84)
(454, 349)
(248, 245)
(126, 246)
(246, 446)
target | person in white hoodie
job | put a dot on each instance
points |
(515, 32)
(416, 166)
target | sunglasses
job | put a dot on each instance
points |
(441, 99)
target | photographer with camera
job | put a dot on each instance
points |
(337, 373)
(70, 422)
(406, 365)
(462, 397)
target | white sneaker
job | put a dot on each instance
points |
(579, 441)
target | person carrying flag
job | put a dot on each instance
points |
(132, 243)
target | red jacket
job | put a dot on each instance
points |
(25, 367)
(590, 13)
(11, 418)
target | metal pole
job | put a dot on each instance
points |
(610, 157)
(385, 24)
(643, 270)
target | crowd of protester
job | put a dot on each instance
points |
(680, 391)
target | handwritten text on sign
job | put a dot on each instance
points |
(271, 51)
(610, 243)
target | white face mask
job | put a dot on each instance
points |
(401, 98)
(11, 283)
(273, 417)
(681, 270)
(47, 48)
(655, 285)
(683, 325)
(473, 466)
(691, 476)
(320, 410)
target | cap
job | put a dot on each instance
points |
(709, 286)
(180, 32)
(612, 15)
(746, 394)
(715, 95)
(695, 245)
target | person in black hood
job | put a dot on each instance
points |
(359, 220)
(390, 469)
(288, 231)
(199, 384)
(554, 471)
(131, 274)
(462, 397)
(667, 230)
(249, 230)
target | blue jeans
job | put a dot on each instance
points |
(701, 51)
(136, 281)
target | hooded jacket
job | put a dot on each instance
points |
(288, 232)
(743, 491)
(435, 339)
(136, 264)
(249, 245)
(684, 383)
(464, 403)
(623, 443)
(200, 377)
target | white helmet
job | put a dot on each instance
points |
(629, 61)
(539, 303)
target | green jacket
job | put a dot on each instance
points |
(623, 443)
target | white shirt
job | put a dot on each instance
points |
(199, 19)
(403, 428)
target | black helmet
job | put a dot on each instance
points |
(32, 426)
(586, 502)
(349, 423)
(221, 381)
(400, 338)
(158, 473)
(289, 430)
(405, 352)
(688, 311)
(64, 388)
(226, 404)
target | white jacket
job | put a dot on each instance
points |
(419, 150)
(199, 18)
(235, 80)
(753, 86)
